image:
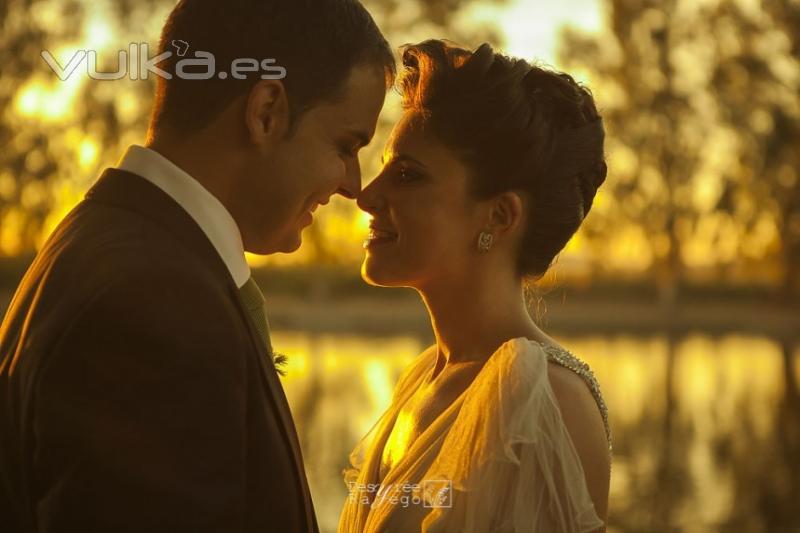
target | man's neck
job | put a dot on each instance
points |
(206, 165)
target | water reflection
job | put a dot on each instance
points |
(706, 430)
(337, 387)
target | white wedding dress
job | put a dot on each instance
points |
(499, 458)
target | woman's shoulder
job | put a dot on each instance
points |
(584, 416)
(569, 378)
(578, 405)
(575, 385)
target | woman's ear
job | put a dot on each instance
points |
(267, 116)
(507, 212)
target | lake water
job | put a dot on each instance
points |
(706, 437)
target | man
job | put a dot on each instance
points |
(137, 387)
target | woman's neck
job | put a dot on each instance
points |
(470, 324)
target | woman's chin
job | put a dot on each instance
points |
(377, 276)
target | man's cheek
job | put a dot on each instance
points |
(332, 170)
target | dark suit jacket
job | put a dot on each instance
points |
(135, 394)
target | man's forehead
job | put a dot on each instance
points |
(356, 112)
(359, 125)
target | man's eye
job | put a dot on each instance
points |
(348, 150)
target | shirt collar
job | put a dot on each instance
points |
(204, 208)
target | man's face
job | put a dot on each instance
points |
(303, 170)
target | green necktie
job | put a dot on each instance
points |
(254, 302)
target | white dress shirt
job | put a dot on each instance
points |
(204, 208)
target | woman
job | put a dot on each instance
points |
(490, 171)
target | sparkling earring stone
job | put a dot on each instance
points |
(485, 241)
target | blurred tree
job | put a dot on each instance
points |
(781, 156)
(58, 133)
(25, 164)
(701, 105)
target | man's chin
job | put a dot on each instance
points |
(290, 244)
(286, 245)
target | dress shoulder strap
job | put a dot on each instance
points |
(568, 360)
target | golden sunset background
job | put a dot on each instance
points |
(681, 289)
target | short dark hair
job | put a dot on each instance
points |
(517, 127)
(318, 42)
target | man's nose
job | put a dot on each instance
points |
(351, 184)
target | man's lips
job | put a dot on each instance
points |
(317, 203)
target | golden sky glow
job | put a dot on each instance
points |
(530, 27)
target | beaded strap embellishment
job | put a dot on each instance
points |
(568, 360)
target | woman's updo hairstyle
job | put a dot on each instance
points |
(517, 127)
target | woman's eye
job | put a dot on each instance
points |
(406, 175)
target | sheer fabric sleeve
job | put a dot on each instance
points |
(509, 459)
(407, 381)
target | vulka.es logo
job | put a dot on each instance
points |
(136, 64)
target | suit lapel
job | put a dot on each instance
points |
(275, 390)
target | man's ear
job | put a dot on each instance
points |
(507, 212)
(267, 115)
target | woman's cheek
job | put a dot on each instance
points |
(433, 236)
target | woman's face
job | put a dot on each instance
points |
(425, 223)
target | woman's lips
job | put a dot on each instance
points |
(377, 237)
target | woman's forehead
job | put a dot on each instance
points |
(409, 136)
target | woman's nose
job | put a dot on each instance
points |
(369, 199)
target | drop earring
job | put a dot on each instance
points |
(485, 242)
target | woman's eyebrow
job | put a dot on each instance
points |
(400, 158)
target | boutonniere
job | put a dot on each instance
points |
(279, 361)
